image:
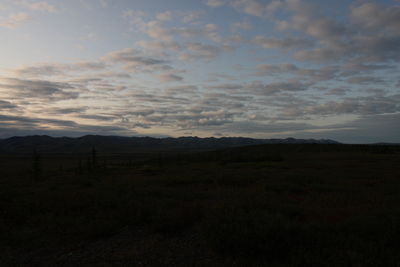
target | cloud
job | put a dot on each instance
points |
(170, 77)
(7, 105)
(250, 7)
(369, 34)
(157, 29)
(260, 88)
(377, 17)
(133, 56)
(40, 6)
(200, 51)
(183, 89)
(22, 125)
(55, 91)
(242, 25)
(39, 70)
(367, 129)
(323, 29)
(14, 20)
(337, 91)
(215, 3)
(324, 73)
(370, 105)
(134, 59)
(227, 86)
(49, 69)
(287, 43)
(165, 16)
(192, 16)
(264, 69)
(160, 48)
(365, 80)
(97, 117)
(63, 111)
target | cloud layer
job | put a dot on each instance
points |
(234, 67)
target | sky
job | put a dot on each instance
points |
(254, 68)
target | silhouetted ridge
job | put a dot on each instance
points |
(118, 144)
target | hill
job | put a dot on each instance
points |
(119, 144)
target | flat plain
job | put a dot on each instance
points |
(265, 205)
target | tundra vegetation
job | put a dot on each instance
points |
(264, 205)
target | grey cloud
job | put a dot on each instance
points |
(338, 91)
(20, 125)
(88, 66)
(131, 55)
(365, 80)
(160, 46)
(41, 70)
(227, 86)
(260, 88)
(184, 89)
(370, 35)
(250, 7)
(215, 3)
(377, 48)
(322, 74)
(170, 77)
(200, 51)
(276, 87)
(378, 17)
(157, 30)
(134, 59)
(142, 125)
(203, 118)
(371, 105)
(264, 69)
(38, 89)
(287, 43)
(156, 98)
(62, 111)
(358, 67)
(325, 30)
(97, 117)
(351, 69)
(142, 112)
(164, 16)
(192, 16)
(7, 105)
(322, 54)
(47, 69)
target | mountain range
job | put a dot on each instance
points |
(119, 144)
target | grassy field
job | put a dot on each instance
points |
(268, 205)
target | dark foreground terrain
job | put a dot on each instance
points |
(266, 205)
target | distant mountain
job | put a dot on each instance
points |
(119, 144)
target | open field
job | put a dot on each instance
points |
(267, 205)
